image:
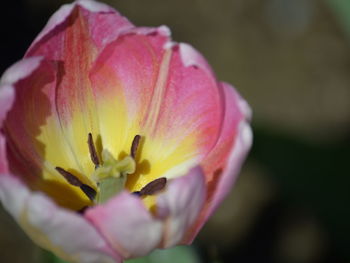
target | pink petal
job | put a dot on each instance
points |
(32, 123)
(224, 162)
(230, 159)
(6, 100)
(176, 103)
(73, 38)
(12, 75)
(127, 225)
(3, 158)
(66, 233)
(192, 58)
(104, 24)
(180, 205)
(16, 72)
(30, 108)
(133, 231)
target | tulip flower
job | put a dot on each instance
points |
(115, 140)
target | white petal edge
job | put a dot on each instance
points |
(240, 150)
(64, 232)
(13, 74)
(20, 70)
(180, 205)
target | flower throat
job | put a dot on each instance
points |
(110, 175)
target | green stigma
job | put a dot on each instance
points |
(111, 176)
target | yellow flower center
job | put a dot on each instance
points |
(110, 176)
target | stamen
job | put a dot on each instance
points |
(88, 191)
(92, 150)
(135, 145)
(153, 187)
(73, 180)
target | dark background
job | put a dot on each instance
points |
(291, 60)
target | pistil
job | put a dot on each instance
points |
(111, 175)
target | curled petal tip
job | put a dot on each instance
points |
(192, 58)
(94, 6)
(169, 45)
(164, 30)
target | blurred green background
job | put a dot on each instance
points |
(291, 60)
